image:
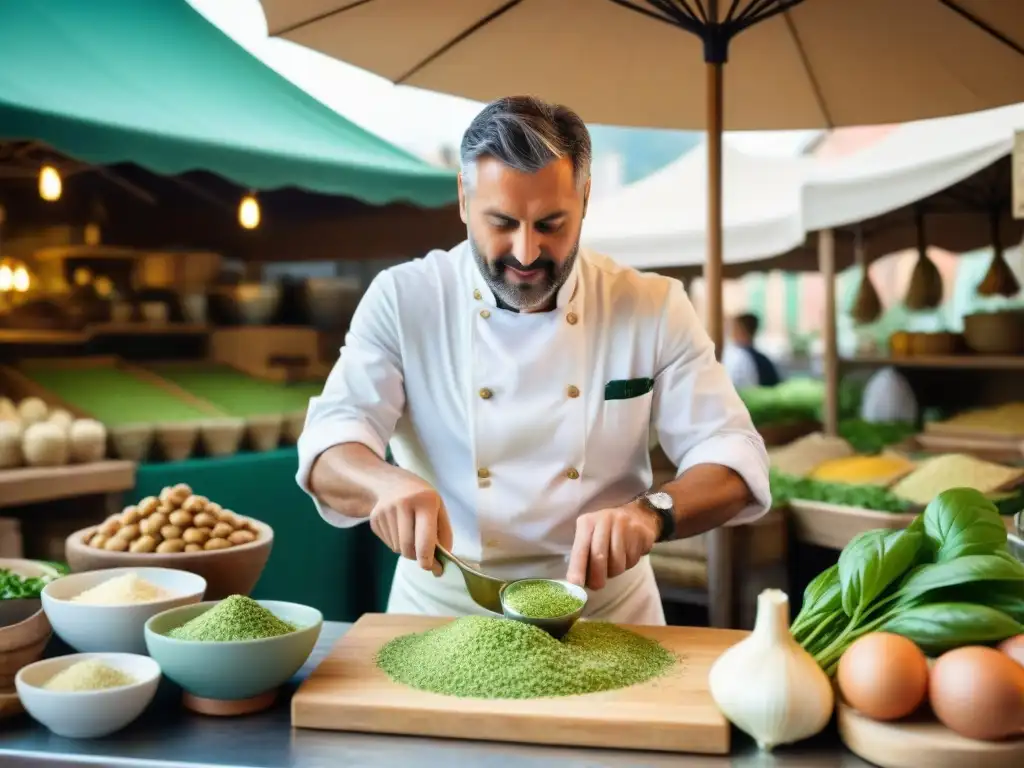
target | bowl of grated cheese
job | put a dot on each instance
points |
(88, 695)
(107, 610)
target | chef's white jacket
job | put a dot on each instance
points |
(505, 414)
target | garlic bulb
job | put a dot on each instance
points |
(767, 685)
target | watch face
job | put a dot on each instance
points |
(660, 500)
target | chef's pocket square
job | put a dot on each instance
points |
(625, 389)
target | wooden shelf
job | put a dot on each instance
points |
(18, 336)
(976, 362)
(31, 485)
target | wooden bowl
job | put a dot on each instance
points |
(995, 333)
(22, 644)
(232, 571)
(933, 344)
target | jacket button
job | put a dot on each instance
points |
(571, 318)
(485, 313)
(483, 473)
(477, 295)
(573, 391)
(485, 393)
(572, 474)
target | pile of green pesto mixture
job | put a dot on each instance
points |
(541, 600)
(497, 658)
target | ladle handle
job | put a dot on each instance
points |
(445, 557)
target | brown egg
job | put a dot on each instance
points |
(1014, 648)
(979, 693)
(883, 676)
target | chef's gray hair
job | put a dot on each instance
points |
(526, 134)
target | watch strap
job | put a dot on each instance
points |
(668, 518)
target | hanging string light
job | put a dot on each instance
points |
(6, 278)
(50, 184)
(249, 212)
(20, 280)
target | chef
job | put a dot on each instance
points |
(520, 381)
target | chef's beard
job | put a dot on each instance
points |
(524, 297)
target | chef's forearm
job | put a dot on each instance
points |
(706, 496)
(349, 478)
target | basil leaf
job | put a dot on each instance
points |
(963, 570)
(939, 627)
(1004, 596)
(872, 561)
(823, 593)
(961, 521)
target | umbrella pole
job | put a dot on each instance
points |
(713, 263)
(830, 357)
(720, 541)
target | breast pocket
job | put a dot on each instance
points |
(620, 438)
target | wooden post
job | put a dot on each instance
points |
(722, 603)
(713, 263)
(830, 356)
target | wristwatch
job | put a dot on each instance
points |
(661, 504)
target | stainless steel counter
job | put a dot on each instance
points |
(167, 735)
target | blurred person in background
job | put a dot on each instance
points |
(747, 366)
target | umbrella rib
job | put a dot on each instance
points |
(765, 9)
(474, 27)
(689, 25)
(802, 53)
(316, 19)
(983, 26)
(732, 16)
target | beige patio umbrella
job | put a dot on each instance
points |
(790, 63)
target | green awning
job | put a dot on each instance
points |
(152, 82)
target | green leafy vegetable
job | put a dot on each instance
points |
(965, 570)
(14, 586)
(961, 522)
(785, 488)
(873, 561)
(945, 581)
(939, 627)
(873, 437)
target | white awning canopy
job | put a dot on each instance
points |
(661, 220)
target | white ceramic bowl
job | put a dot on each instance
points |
(88, 714)
(114, 628)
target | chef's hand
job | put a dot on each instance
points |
(609, 542)
(411, 520)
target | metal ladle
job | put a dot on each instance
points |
(489, 592)
(485, 590)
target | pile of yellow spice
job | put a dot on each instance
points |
(88, 675)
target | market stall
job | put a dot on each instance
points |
(945, 183)
(133, 169)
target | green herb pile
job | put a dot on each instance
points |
(492, 658)
(14, 586)
(946, 581)
(541, 600)
(234, 618)
(866, 437)
(784, 488)
(794, 400)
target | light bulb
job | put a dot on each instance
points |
(6, 278)
(249, 212)
(20, 280)
(50, 185)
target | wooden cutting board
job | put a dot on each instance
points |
(347, 692)
(921, 741)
